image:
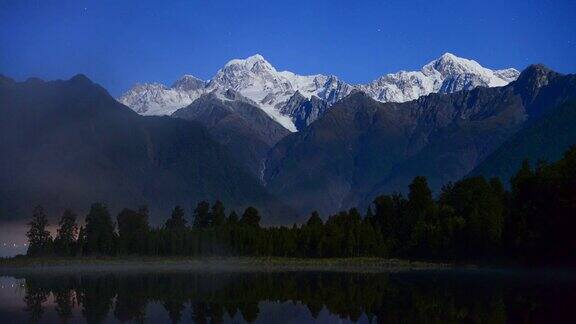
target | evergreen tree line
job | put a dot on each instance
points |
(473, 219)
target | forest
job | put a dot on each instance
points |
(472, 219)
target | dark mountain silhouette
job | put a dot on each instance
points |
(238, 124)
(362, 148)
(69, 143)
(544, 140)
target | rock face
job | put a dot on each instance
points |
(304, 110)
(277, 92)
(547, 136)
(238, 124)
(361, 147)
(189, 83)
(67, 144)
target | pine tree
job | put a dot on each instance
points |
(218, 214)
(202, 217)
(421, 216)
(420, 196)
(371, 243)
(391, 218)
(251, 217)
(39, 239)
(312, 236)
(65, 242)
(353, 225)
(481, 206)
(100, 235)
(133, 230)
(176, 232)
(233, 219)
(314, 220)
(176, 220)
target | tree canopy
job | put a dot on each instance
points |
(471, 219)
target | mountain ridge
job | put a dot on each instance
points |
(361, 147)
(238, 124)
(68, 143)
(256, 79)
(355, 150)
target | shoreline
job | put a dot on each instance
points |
(212, 264)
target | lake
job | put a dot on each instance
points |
(431, 296)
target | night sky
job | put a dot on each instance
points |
(118, 43)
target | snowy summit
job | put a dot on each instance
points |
(271, 90)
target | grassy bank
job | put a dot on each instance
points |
(224, 264)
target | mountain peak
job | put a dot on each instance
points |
(534, 77)
(248, 62)
(448, 56)
(256, 79)
(536, 71)
(450, 64)
(256, 57)
(80, 78)
(187, 77)
(188, 83)
(35, 80)
(446, 74)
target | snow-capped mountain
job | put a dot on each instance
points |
(256, 79)
(157, 99)
(446, 74)
(279, 92)
(189, 83)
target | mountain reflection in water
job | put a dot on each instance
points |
(295, 297)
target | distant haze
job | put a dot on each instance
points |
(12, 233)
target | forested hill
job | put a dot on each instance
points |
(362, 147)
(543, 139)
(65, 144)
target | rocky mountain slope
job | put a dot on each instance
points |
(238, 124)
(548, 134)
(69, 144)
(361, 147)
(545, 140)
(295, 100)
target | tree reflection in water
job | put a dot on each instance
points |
(382, 298)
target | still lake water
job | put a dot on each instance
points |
(448, 296)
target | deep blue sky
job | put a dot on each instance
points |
(118, 43)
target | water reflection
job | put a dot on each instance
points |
(443, 297)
